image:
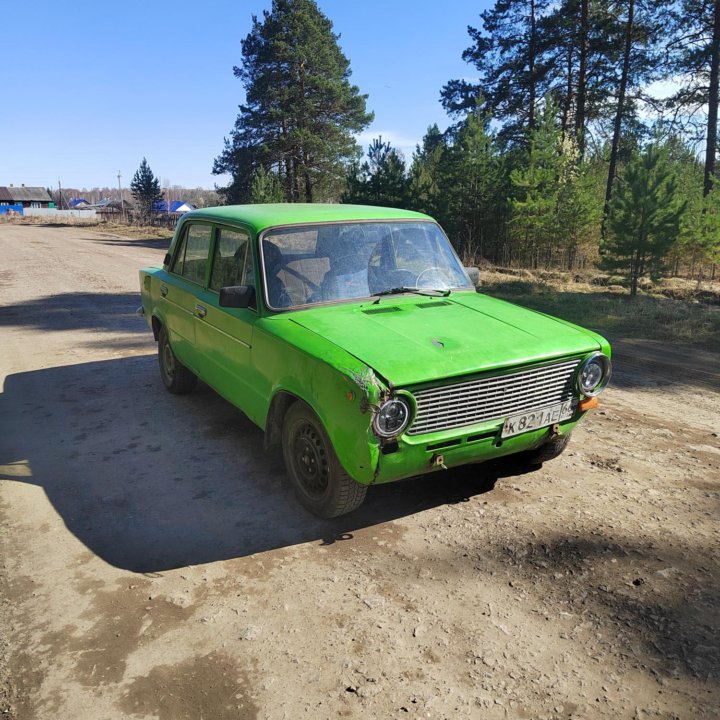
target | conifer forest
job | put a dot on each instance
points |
(588, 135)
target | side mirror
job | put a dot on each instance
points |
(237, 296)
(167, 259)
(474, 274)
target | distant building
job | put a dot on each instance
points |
(27, 197)
(177, 207)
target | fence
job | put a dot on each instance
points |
(51, 213)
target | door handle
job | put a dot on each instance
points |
(163, 290)
(201, 311)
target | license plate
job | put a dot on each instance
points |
(525, 422)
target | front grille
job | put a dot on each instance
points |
(492, 398)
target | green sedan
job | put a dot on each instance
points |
(356, 340)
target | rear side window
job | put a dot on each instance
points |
(232, 262)
(191, 259)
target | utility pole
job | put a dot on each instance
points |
(122, 205)
(60, 197)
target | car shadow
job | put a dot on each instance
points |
(149, 481)
(157, 243)
(115, 312)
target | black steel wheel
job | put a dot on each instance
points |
(175, 376)
(549, 450)
(315, 473)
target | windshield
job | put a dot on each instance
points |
(346, 261)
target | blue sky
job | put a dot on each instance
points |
(91, 88)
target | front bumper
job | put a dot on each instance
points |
(419, 455)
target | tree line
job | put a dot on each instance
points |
(558, 154)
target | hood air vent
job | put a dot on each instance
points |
(379, 310)
(437, 303)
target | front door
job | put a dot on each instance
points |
(224, 336)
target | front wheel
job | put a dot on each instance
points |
(175, 376)
(316, 475)
(549, 451)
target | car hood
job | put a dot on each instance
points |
(412, 339)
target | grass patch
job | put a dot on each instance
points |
(612, 312)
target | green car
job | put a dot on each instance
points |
(356, 340)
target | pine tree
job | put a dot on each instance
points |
(644, 218)
(506, 52)
(474, 187)
(380, 180)
(265, 187)
(696, 61)
(555, 206)
(301, 113)
(145, 188)
(536, 190)
(425, 188)
(643, 36)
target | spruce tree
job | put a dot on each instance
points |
(301, 112)
(145, 188)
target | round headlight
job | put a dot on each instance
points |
(391, 418)
(594, 374)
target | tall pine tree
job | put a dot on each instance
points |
(301, 112)
(696, 62)
(507, 54)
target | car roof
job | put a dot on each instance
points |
(263, 216)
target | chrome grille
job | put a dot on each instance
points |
(491, 398)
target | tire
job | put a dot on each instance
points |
(318, 479)
(549, 451)
(175, 376)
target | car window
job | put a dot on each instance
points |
(191, 259)
(232, 262)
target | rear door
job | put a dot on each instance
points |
(188, 276)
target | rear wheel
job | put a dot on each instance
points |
(317, 477)
(549, 451)
(175, 376)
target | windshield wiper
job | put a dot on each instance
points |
(427, 292)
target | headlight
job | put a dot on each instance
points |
(391, 418)
(594, 374)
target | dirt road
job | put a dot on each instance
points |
(154, 566)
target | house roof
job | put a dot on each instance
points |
(27, 194)
(5, 195)
(175, 206)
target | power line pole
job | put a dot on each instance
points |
(122, 205)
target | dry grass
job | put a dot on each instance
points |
(139, 232)
(669, 311)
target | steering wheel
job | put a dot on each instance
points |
(440, 271)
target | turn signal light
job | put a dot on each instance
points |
(588, 404)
